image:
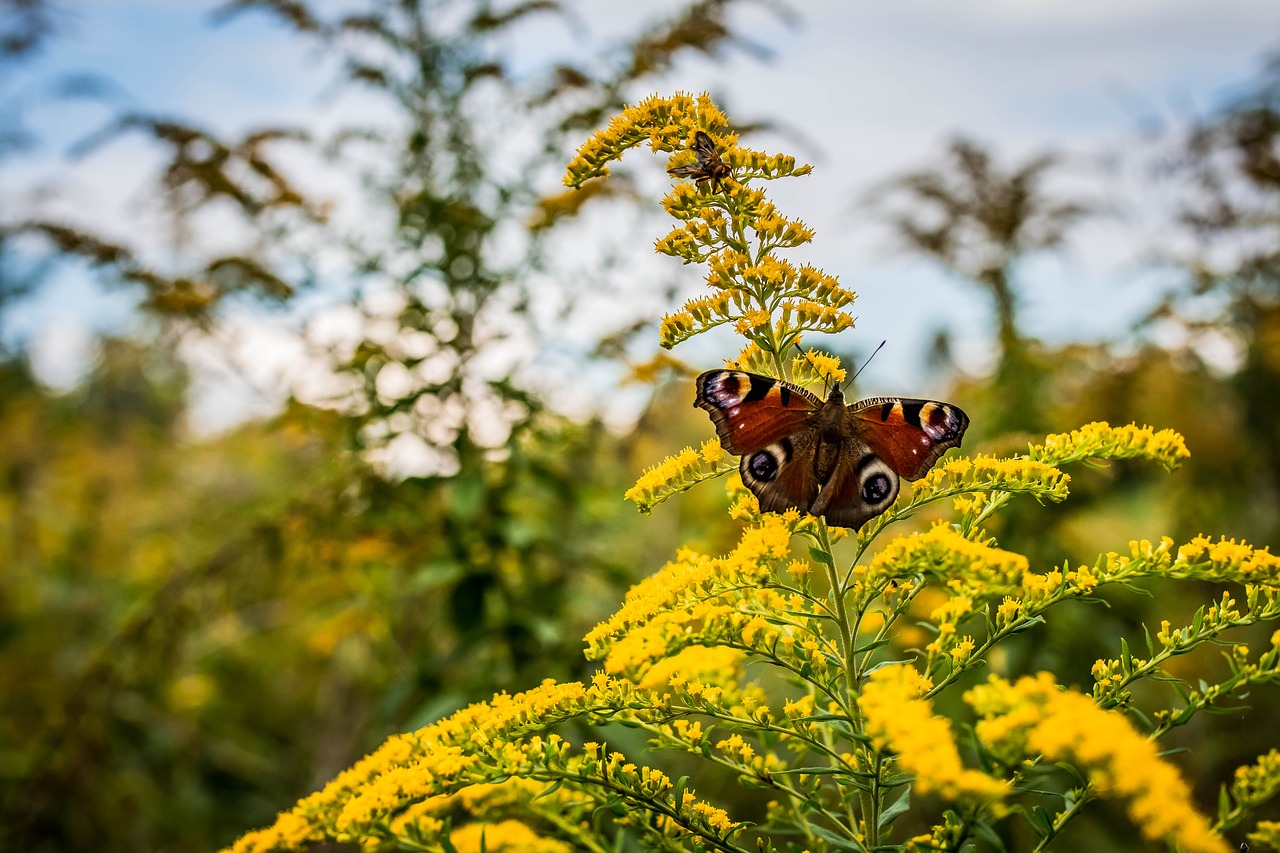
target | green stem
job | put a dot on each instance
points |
(846, 629)
(1060, 821)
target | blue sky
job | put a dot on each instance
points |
(877, 88)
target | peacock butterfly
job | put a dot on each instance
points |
(840, 462)
(708, 167)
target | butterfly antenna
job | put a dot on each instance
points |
(865, 363)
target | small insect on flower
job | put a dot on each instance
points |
(709, 166)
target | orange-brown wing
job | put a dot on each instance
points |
(908, 434)
(862, 486)
(751, 411)
(781, 474)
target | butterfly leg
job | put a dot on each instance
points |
(823, 500)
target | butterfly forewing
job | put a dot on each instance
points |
(907, 433)
(751, 411)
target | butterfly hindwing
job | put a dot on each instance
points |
(780, 474)
(862, 486)
(908, 434)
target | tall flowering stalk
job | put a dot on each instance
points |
(848, 734)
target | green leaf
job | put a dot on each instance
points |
(820, 556)
(1042, 822)
(987, 833)
(874, 644)
(836, 842)
(551, 789)
(812, 771)
(896, 808)
(677, 793)
(1072, 771)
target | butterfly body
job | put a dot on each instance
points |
(841, 462)
(708, 167)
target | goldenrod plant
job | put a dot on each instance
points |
(854, 678)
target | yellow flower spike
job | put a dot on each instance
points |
(675, 328)
(712, 453)
(1266, 835)
(798, 569)
(899, 718)
(989, 474)
(1100, 440)
(1034, 717)
(817, 368)
(506, 836)
(1256, 783)
(943, 553)
(675, 474)
(751, 359)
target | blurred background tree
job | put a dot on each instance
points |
(981, 224)
(195, 630)
(198, 632)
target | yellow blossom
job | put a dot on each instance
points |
(507, 836)
(943, 553)
(675, 474)
(899, 718)
(1034, 717)
(1100, 440)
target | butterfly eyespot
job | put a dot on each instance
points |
(763, 466)
(876, 488)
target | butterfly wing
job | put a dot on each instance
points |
(908, 434)
(752, 411)
(862, 486)
(883, 440)
(768, 424)
(777, 430)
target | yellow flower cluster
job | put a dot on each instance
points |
(1035, 718)
(942, 553)
(702, 600)
(291, 831)
(1100, 440)
(681, 812)
(455, 763)
(678, 473)
(988, 474)
(951, 834)
(1256, 783)
(1199, 559)
(815, 368)
(729, 225)
(1228, 560)
(439, 759)
(1266, 835)
(898, 718)
(715, 665)
(506, 836)
(665, 123)
(478, 812)
(746, 294)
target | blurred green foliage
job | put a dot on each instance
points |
(193, 633)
